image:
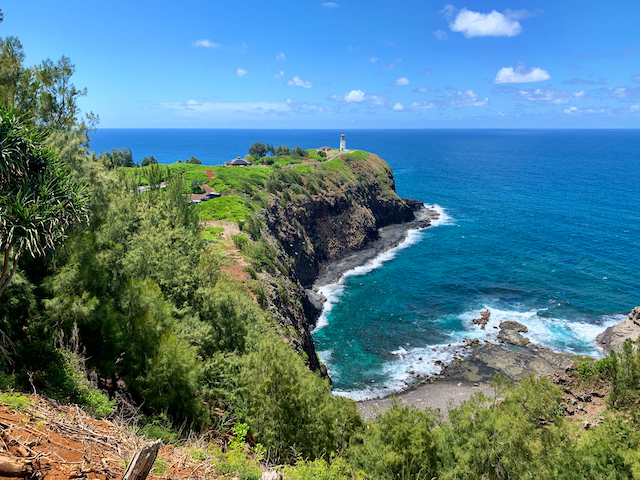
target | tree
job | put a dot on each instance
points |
(58, 100)
(283, 150)
(299, 151)
(271, 150)
(117, 158)
(149, 161)
(193, 160)
(258, 149)
(39, 200)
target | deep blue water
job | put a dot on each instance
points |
(542, 227)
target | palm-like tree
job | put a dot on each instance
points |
(39, 200)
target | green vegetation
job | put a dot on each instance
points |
(138, 302)
(16, 401)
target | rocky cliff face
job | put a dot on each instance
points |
(341, 219)
(343, 216)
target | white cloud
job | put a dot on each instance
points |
(419, 90)
(583, 111)
(620, 93)
(298, 82)
(582, 81)
(476, 24)
(373, 59)
(398, 107)
(448, 11)
(398, 82)
(547, 96)
(358, 97)
(193, 108)
(241, 72)
(464, 98)
(281, 56)
(521, 74)
(330, 5)
(440, 35)
(421, 105)
(206, 43)
(279, 74)
(354, 96)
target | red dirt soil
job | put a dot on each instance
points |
(63, 442)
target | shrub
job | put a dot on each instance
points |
(290, 409)
(400, 443)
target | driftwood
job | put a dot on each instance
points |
(142, 462)
(15, 466)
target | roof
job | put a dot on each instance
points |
(238, 161)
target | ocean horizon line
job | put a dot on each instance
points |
(458, 129)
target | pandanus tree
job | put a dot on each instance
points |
(39, 200)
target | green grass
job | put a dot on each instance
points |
(231, 208)
(16, 401)
(212, 234)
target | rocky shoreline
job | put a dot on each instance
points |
(388, 237)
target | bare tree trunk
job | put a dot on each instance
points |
(142, 462)
(15, 467)
(5, 279)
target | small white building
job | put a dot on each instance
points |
(343, 143)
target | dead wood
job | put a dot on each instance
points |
(16, 467)
(141, 464)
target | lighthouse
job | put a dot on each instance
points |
(343, 143)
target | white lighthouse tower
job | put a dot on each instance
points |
(343, 143)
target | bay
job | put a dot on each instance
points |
(541, 227)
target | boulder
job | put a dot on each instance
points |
(613, 337)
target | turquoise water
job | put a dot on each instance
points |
(542, 227)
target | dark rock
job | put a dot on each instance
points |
(510, 333)
(483, 319)
(511, 325)
(584, 397)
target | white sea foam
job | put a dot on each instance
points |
(555, 333)
(405, 368)
(333, 291)
(443, 219)
(559, 334)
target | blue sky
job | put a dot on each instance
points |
(343, 64)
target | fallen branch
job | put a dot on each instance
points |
(16, 467)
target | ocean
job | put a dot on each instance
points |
(537, 226)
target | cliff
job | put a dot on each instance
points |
(320, 215)
(357, 200)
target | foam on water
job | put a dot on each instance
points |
(333, 291)
(443, 218)
(576, 336)
(402, 370)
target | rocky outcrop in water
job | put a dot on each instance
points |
(484, 318)
(510, 333)
(613, 337)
